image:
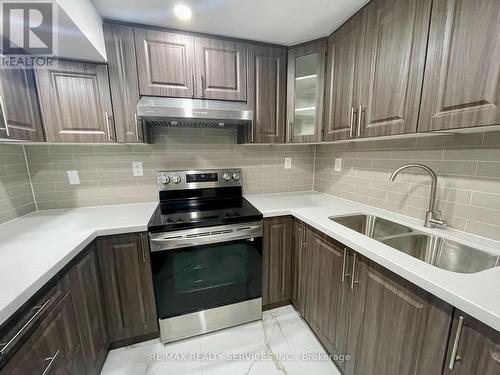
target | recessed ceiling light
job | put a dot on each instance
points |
(183, 12)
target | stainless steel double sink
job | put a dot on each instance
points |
(435, 250)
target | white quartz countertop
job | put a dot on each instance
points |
(476, 294)
(35, 247)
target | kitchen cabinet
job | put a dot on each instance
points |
(76, 103)
(342, 82)
(87, 292)
(395, 328)
(221, 69)
(20, 113)
(124, 83)
(392, 66)
(276, 256)
(165, 63)
(305, 89)
(128, 286)
(267, 93)
(327, 291)
(474, 348)
(461, 87)
(299, 258)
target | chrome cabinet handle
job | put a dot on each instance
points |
(360, 114)
(353, 272)
(344, 264)
(351, 123)
(4, 115)
(106, 118)
(454, 351)
(136, 120)
(39, 310)
(289, 131)
(192, 82)
(51, 362)
(202, 86)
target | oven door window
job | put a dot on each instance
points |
(203, 277)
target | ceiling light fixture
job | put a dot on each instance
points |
(183, 12)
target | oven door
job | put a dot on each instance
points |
(204, 268)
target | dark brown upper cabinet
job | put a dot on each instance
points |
(395, 327)
(267, 93)
(392, 66)
(124, 83)
(165, 63)
(20, 117)
(474, 348)
(342, 82)
(306, 71)
(221, 69)
(76, 103)
(461, 84)
(128, 286)
(276, 260)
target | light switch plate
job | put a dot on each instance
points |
(73, 177)
(137, 168)
(288, 163)
(338, 165)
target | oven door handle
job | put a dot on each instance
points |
(204, 236)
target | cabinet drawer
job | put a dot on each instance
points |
(51, 347)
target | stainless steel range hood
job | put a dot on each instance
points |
(193, 112)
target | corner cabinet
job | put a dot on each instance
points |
(20, 117)
(76, 103)
(267, 93)
(299, 265)
(128, 287)
(306, 70)
(461, 85)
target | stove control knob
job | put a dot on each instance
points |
(236, 176)
(164, 180)
(226, 176)
(176, 179)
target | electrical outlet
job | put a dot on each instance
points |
(288, 163)
(137, 168)
(338, 165)
(73, 177)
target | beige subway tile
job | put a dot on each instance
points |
(417, 155)
(451, 140)
(483, 229)
(488, 169)
(492, 138)
(371, 192)
(473, 154)
(486, 200)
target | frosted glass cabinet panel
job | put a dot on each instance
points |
(306, 66)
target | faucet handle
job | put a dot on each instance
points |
(437, 220)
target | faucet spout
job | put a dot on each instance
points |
(433, 218)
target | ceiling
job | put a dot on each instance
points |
(284, 22)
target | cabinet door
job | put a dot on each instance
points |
(395, 328)
(267, 93)
(276, 260)
(342, 81)
(462, 84)
(87, 291)
(327, 291)
(306, 71)
(477, 348)
(221, 69)
(128, 285)
(20, 112)
(392, 67)
(124, 83)
(299, 266)
(165, 63)
(76, 103)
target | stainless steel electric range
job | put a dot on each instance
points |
(206, 253)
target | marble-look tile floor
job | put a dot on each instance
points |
(281, 343)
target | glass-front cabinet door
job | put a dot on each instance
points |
(306, 68)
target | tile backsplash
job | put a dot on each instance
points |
(16, 198)
(468, 186)
(106, 170)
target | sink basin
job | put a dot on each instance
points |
(437, 251)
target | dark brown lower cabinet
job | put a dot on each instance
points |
(87, 291)
(299, 257)
(128, 287)
(395, 328)
(474, 348)
(276, 260)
